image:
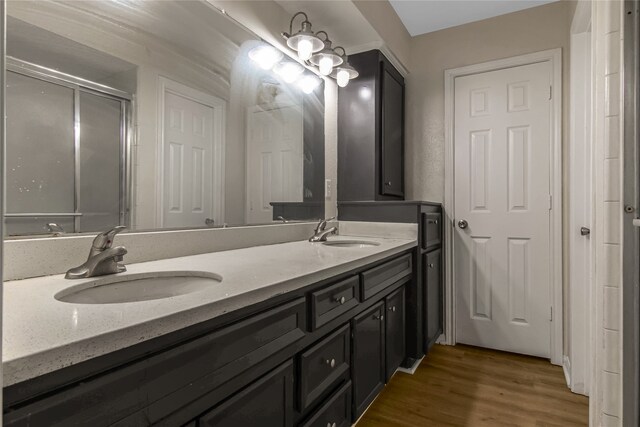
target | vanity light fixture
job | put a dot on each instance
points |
(305, 42)
(344, 72)
(288, 70)
(327, 58)
(308, 83)
(266, 56)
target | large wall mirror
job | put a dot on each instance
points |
(154, 114)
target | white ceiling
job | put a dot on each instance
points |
(425, 16)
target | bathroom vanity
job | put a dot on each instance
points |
(297, 333)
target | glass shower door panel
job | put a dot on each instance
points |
(100, 154)
(40, 153)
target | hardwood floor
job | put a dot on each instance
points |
(469, 386)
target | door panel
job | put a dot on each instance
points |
(392, 135)
(395, 331)
(433, 293)
(368, 369)
(275, 152)
(188, 162)
(502, 152)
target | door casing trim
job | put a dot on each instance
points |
(554, 57)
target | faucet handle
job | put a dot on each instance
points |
(323, 224)
(104, 240)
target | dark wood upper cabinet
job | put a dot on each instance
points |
(371, 131)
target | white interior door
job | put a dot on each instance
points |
(502, 191)
(274, 160)
(188, 162)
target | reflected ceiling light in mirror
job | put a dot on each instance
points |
(305, 42)
(326, 59)
(288, 70)
(265, 56)
(308, 83)
(365, 93)
(344, 72)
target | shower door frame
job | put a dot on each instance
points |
(79, 85)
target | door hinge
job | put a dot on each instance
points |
(550, 202)
(551, 314)
(550, 92)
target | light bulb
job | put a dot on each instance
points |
(325, 65)
(289, 71)
(343, 78)
(265, 56)
(308, 83)
(305, 49)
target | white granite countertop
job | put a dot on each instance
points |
(41, 334)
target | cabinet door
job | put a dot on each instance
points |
(433, 293)
(392, 132)
(368, 367)
(266, 402)
(395, 332)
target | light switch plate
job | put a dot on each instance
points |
(327, 188)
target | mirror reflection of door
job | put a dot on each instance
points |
(191, 191)
(274, 160)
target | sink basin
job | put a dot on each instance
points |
(138, 287)
(350, 243)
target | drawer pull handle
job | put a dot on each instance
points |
(392, 308)
(431, 265)
(341, 300)
(331, 362)
(331, 424)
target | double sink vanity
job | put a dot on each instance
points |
(295, 333)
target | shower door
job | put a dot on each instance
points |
(65, 154)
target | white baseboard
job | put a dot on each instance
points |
(566, 367)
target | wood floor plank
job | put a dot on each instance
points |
(469, 386)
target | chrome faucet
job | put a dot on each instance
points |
(103, 259)
(320, 234)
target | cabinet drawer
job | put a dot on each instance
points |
(175, 377)
(334, 300)
(335, 412)
(431, 230)
(385, 275)
(266, 402)
(324, 365)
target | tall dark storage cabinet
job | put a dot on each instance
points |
(371, 131)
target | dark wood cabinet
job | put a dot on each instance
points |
(315, 356)
(420, 307)
(371, 131)
(368, 373)
(395, 332)
(433, 285)
(266, 402)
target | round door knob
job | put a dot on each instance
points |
(431, 265)
(463, 224)
(331, 362)
(392, 308)
(341, 300)
(388, 183)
